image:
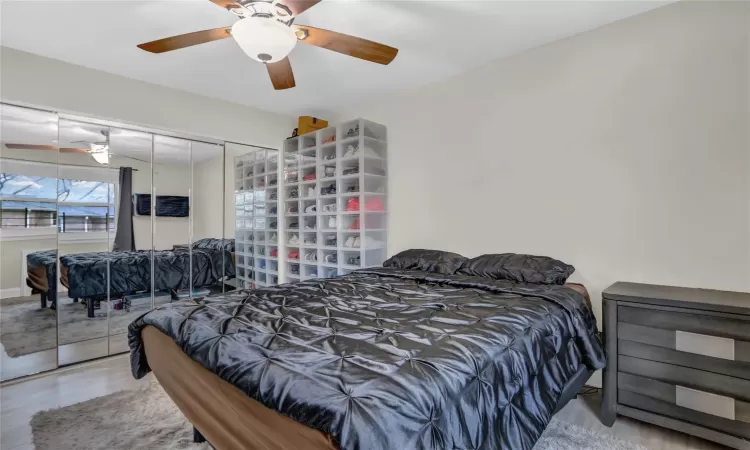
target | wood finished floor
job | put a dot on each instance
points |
(20, 400)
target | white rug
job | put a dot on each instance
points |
(147, 419)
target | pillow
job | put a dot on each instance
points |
(519, 268)
(427, 260)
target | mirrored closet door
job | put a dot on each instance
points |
(28, 241)
(101, 222)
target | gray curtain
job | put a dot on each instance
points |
(124, 238)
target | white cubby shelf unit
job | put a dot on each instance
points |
(256, 198)
(335, 200)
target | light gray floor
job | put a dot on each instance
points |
(20, 400)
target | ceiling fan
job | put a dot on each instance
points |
(98, 150)
(266, 33)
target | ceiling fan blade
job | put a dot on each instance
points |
(348, 45)
(30, 147)
(74, 150)
(281, 74)
(46, 147)
(186, 40)
(226, 4)
(298, 6)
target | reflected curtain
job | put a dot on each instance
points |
(124, 237)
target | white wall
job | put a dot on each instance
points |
(40, 81)
(623, 151)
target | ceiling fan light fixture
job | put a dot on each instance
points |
(265, 40)
(100, 153)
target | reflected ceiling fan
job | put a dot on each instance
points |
(98, 150)
(266, 33)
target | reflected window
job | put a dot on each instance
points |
(79, 206)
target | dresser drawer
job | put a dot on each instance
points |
(638, 344)
(699, 407)
(691, 322)
(686, 376)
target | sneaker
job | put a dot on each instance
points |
(354, 188)
(294, 225)
(329, 171)
(273, 239)
(353, 261)
(274, 253)
(350, 151)
(357, 242)
(349, 241)
(273, 196)
(294, 193)
(329, 139)
(292, 209)
(331, 258)
(351, 171)
(294, 268)
(294, 240)
(332, 223)
(294, 254)
(311, 256)
(272, 225)
(310, 227)
(273, 210)
(311, 192)
(371, 242)
(374, 204)
(309, 177)
(353, 132)
(352, 204)
(311, 209)
(311, 240)
(355, 225)
(262, 263)
(331, 242)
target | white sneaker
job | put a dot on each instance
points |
(349, 241)
(356, 243)
(310, 209)
(311, 192)
(294, 240)
(332, 223)
(350, 151)
(308, 227)
(273, 238)
(371, 242)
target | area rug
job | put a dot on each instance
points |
(147, 418)
(27, 328)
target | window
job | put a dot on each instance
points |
(71, 206)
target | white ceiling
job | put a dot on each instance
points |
(436, 39)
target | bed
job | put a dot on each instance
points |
(380, 358)
(97, 275)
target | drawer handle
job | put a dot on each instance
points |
(703, 344)
(705, 402)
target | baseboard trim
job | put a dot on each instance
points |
(10, 292)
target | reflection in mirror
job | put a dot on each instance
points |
(85, 209)
(213, 256)
(28, 241)
(130, 261)
(172, 215)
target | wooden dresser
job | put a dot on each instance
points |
(679, 358)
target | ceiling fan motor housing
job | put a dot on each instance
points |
(264, 39)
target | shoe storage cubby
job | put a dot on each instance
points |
(256, 180)
(341, 172)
